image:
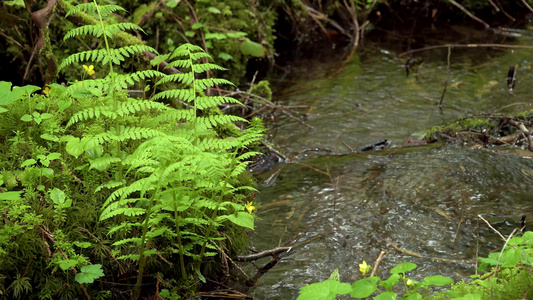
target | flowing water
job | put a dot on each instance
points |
(339, 208)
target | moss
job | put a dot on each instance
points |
(262, 88)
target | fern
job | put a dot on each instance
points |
(91, 8)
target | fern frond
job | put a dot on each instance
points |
(185, 78)
(132, 106)
(121, 206)
(212, 121)
(93, 30)
(123, 80)
(136, 240)
(173, 115)
(137, 133)
(202, 84)
(90, 8)
(109, 185)
(200, 55)
(90, 113)
(136, 186)
(186, 95)
(96, 55)
(106, 10)
(113, 29)
(204, 102)
(180, 64)
(103, 162)
(102, 55)
(201, 68)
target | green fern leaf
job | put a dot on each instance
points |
(90, 8)
(109, 185)
(185, 78)
(103, 163)
(204, 102)
(201, 68)
(173, 115)
(180, 64)
(186, 95)
(134, 240)
(202, 84)
(93, 30)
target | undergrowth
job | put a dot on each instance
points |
(103, 193)
(508, 274)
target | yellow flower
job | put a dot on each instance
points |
(89, 69)
(250, 207)
(409, 282)
(364, 268)
(47, 90)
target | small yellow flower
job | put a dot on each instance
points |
(409, 282)
(250, 207)
(89, 69)
(364, 268)
(47, 90)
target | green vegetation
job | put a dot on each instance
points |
(101, 192)
(508, 276)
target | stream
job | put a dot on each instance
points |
(339, 208)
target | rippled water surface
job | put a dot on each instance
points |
(338, 208)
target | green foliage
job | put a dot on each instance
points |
(96, 185)
(509, 276)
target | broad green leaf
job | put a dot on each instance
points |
(89, 273)
(26, 118)
(3, 110)
(189, 33)
(26, 89)
(53, 155)
(15, 3)
(66, 264)
(215, 35)
(28, 162)
(49, 137)
(403, 268)
(58, 196)
(386, 296)
(243, 219)
(172, 3)
(47, 172)
(364, 287)
(64, 104)
(252, 48)
(390, 282)
(437, 280)
(197, 25)
(75, 147)
(325, 290)
(82, 244)
(236, 35)
(511, 257)
(213, 10)
(11, 196)
(224, 56)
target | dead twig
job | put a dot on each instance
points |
(447, 76)
(378, 261)
(471, 15)
(256, 256)
(465, 46)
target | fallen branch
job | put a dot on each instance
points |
(272, 252)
